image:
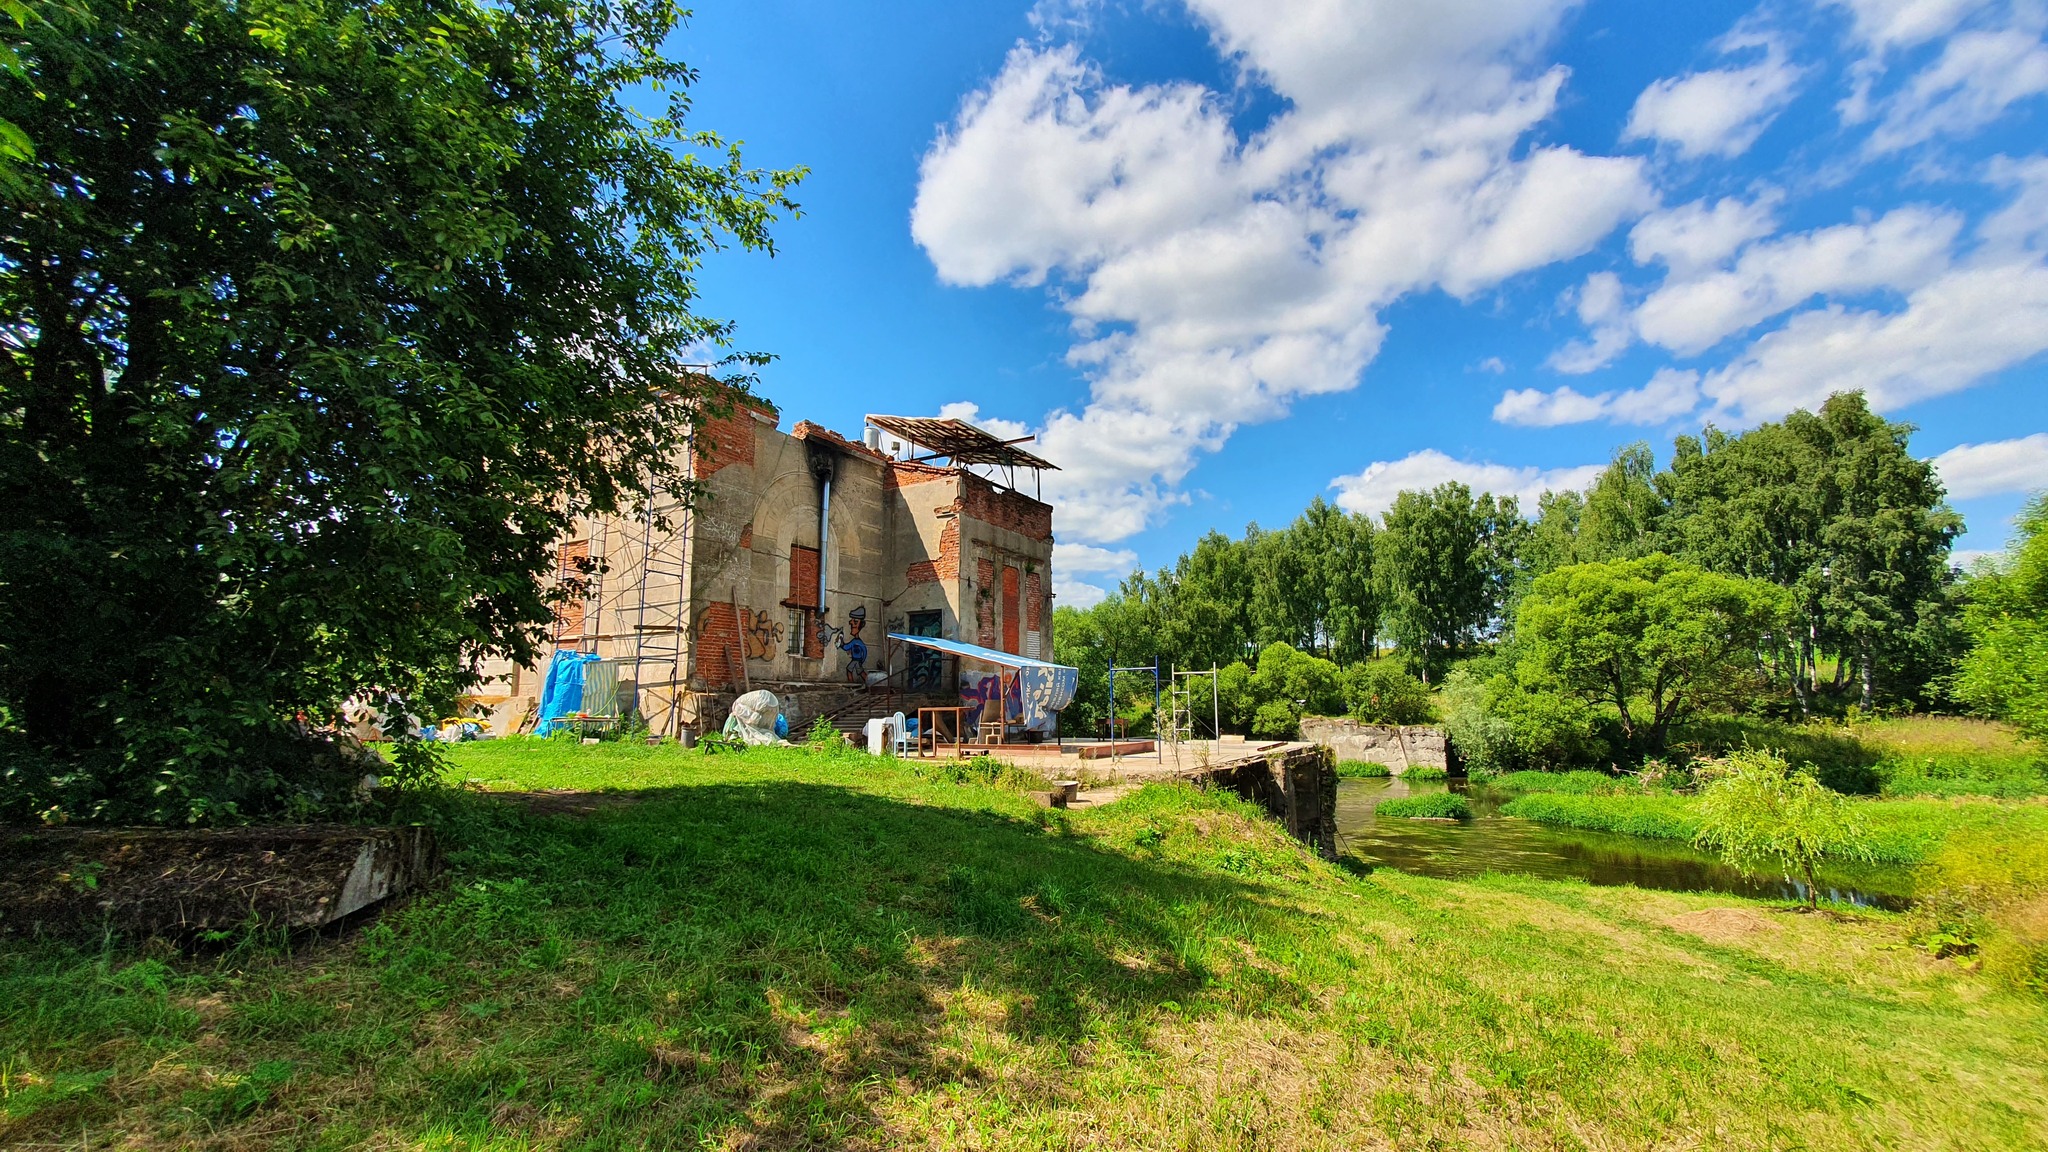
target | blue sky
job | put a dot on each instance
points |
(1229, 255)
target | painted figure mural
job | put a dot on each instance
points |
(855, 648)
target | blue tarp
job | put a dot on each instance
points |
(1042, 687)
(562, 694)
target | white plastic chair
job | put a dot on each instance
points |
(904, 739)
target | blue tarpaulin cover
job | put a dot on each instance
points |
(1043, 687)
(562, 694)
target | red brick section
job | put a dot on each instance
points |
(1034, 604)
(718, 648)
(569, 555)
(803, 577)
(1011, 511)
(805, 430)
(902, 475)
(985, 603)
(1010, 616)
(949, 551)
(747, 535)
(922, 572)
(726, 437)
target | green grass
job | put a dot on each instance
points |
(1429, 805)
(1577, 783)
(1362, 770)
(1423, 772)
(781, 949)
(1902, 757)
(1901, 831)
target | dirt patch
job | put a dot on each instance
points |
(1724, 925)
(176, 882)
(568, 801)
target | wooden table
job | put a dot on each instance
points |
(927, 727)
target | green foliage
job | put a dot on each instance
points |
(1276, 720)
(365, 306)
(1836, 509)
(1757, 812)
(1445, 563)
(2006, 673)
(1498, 725)
(1653, 638)
(1380, 692)
(1428, 806)
(1362, 770)
(1424, 772)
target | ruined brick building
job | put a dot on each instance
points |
(802, 551)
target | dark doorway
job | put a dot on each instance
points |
(926, 666)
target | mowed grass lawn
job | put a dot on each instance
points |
(784, 950)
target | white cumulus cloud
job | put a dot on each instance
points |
(1953, 332)
(2000, 466)
(1719, 112)
(1212, 277)
(1604, 311)
(1696, 236)
(1372, 491)
(1669, 394)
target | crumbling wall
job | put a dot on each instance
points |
(1398, 747)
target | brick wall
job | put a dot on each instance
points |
(717, 646)
(985, 603)
(1012, 641)
(803, 593)
(921, 572)
(1034, 603)
(727, 439)
(1010, 511)
(948, 565)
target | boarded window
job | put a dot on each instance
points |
(803, 577)
(1012, 616)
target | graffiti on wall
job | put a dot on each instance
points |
(763, 635)
(978, 690)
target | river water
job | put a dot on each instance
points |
(1490, 842)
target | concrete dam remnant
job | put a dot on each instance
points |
(1399, 747)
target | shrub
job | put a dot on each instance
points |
(1380, 692)
(1498, 725)
(1276, 720)
(1362, 770)
(1424, 772)
(1756, 811)
(1432, 806)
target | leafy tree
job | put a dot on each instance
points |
(1624, 512)
(2005, 673)
(1211, 605)
(1834, 508)
(1445, 564)
(1553, 538)
(322, 323)
(1654, 638)
(1757, 812)
(1380, 692)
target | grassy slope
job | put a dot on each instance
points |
(775, 950)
